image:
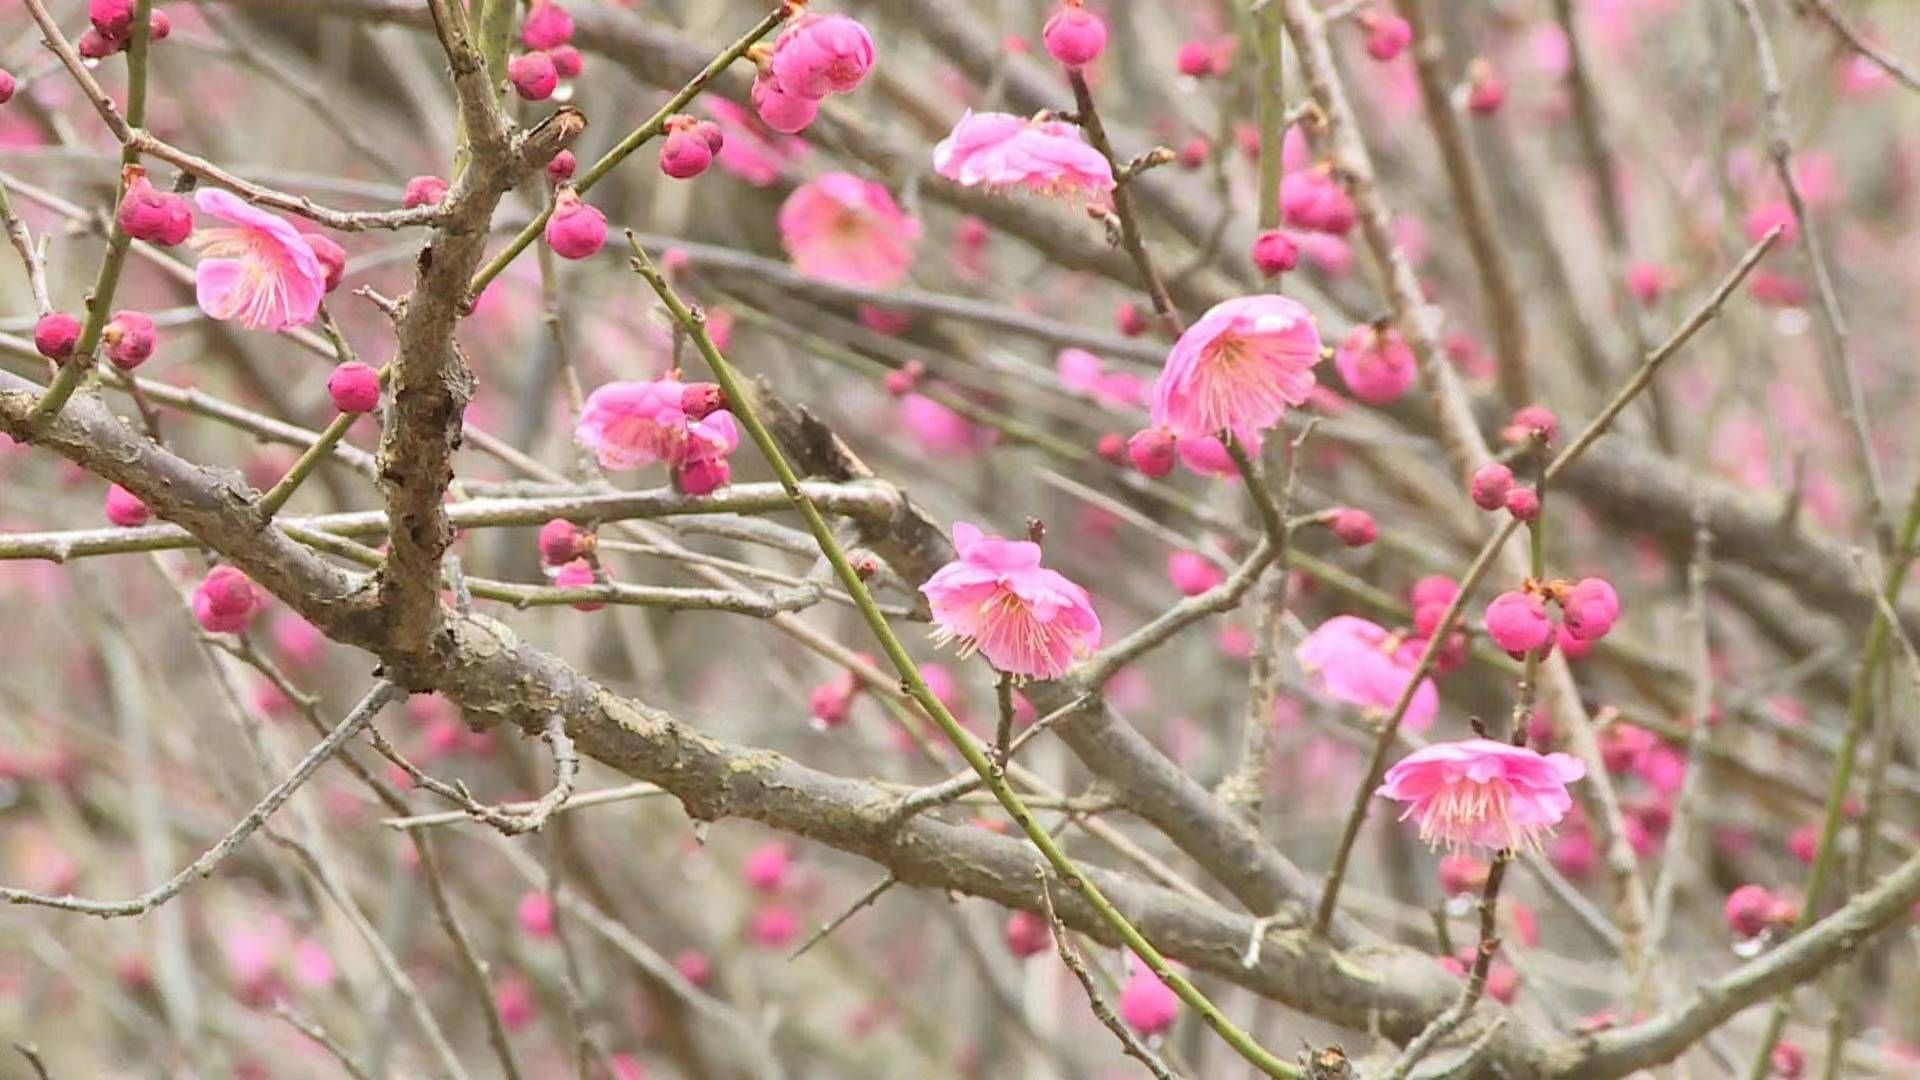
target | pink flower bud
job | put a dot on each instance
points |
(424, 191)
(130, 339)
(533, 76)
(354, 387)
(1590, 608)
(513, 999)
(1648, 281)
(1195, 59)
(560, 169)
(333, 257)
(1767, 217)
(1274, 253)
(561, 542)
(1803, 843)
(56, 334)
(1523, 503)
(1490, 485)
(1387, 35)
(1434, 589)
(904, 379)
(577, 575)
(788, 114)
(831, 703)
(534, 913)
(1152, 451)
(1193, 573)
(1130, 320)
(774, 926)
(158, 25)
(125, 509)
(1112, 448)
(768, 867)
(817, 55)
(1195, 153)
(1788, 1060)
(576, 230)
(6, 86)
(1461, 875)
(1517, 622)
(1147, 1004)
(1530, 422)
(113, 18)
(1313, 199)
(702, 476)
(1426, 618)
(1028, 934)
(685, 153)
(1354, 528)
(694, 967)
(225, 601)
(1075, 36)
(1377, 365)
(700, 400)
(567, 61)
(1574, 648)
(94, 45)
(147, 213)
(547, 26)
(1748, 910)
(1485, 91)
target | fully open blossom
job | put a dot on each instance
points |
(839, 227)
(1483, 793)
(1358, 662)
(996, 598)
(258, 270)
(999, 150)
(1239, 367)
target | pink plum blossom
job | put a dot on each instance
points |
(1483, 793)
(838, 227)
(1241, 366)
(997, 599)
(258, 270)
(999, 150)
(1360, 663)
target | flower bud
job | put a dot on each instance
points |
(1152, 451)
(1590, 608)
(1028, 934)
(354, 387)
(1354, 528)
(225, 601)
(1275, 253)
(576, 230)
(147, 213)
(424, 191)
(130, 339)
(547, 26)
(1075, 36)
(560, 169)
(125, 509)
(567, 61)
(1523, 503)
(1517, 622)
(561, 542)
(1490, 485)
(56, 334)
(685, 153)
(533, 76)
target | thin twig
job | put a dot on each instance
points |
(1129, 1042)
(864, 900)
(1862, 44)
(361, 715)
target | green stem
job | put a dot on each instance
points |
(107, 281)
(283, 489)
(495, 19)
(1269, 109)
(1859, 720)
(634, 140)
(741, 404)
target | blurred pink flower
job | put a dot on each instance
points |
(1483, 793)
(996, 598)
(838, 227)
(751, 151)
(939, 430)
(1147, 1004)
(999, 150)
(1360, 663)
(1239, 367)
(259, 271)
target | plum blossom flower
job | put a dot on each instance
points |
(999, 150)
(997, 599)
(750, 150)
(631, 424)
(259, 270)
(838, 227)
(1483, 793)
(1241, 366)
(1358, 662)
